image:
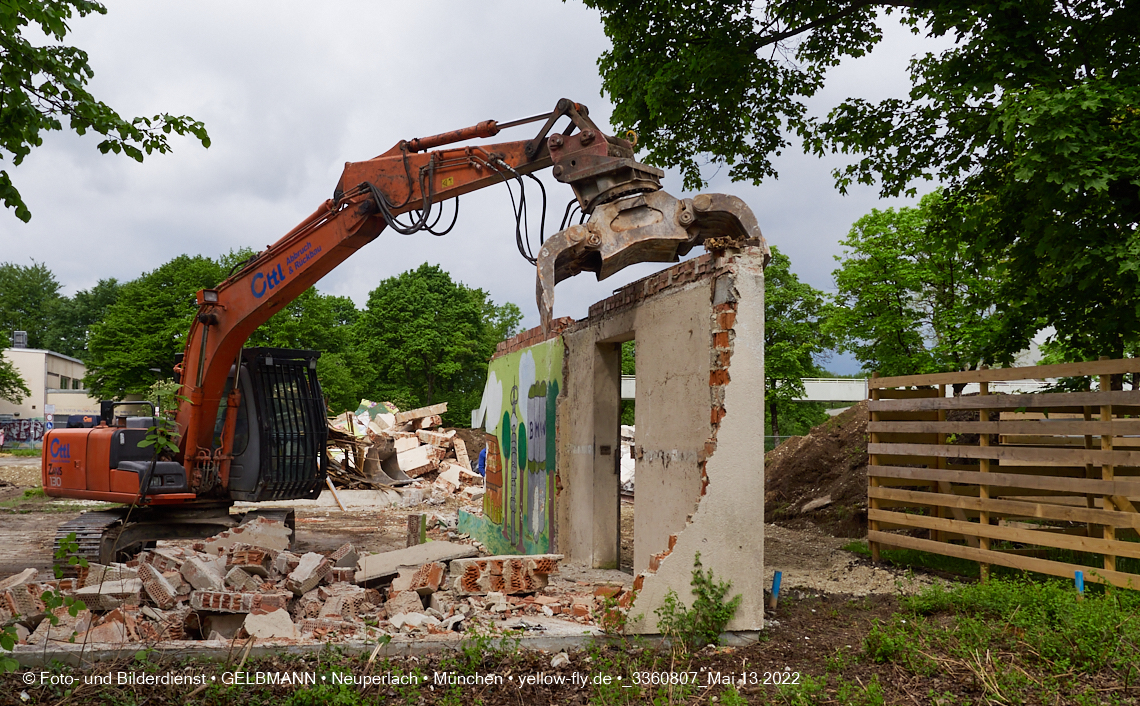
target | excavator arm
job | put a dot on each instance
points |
(411, 178)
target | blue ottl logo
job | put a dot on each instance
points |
(263, 282)
(58, 450)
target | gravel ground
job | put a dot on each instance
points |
(22, 471)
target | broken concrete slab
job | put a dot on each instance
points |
(816, 504)
(508, 574)
(418, 461)
(110, 594)
(420, 413)
(406, 443)
(275, 624)
(404, 602)
(203, 575)
(386, 565)
(310, 570)
(24, 577)
(258, 532)
(436, 438)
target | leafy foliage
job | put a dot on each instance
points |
(29, 295)
(794, 336)
(1029, 120)
(44, 85)
(427, 338)
(73, 317)
(12, 385)
(908, 301)
(702, 623)
(146, 326)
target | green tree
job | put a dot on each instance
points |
(73, 317)
(43, 85)
(909, 301)
(146, 326)
(12, 386)
(427, 339)
(794, 338)
(29, 297)
(1029, 120)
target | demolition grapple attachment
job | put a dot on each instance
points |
(644, 227)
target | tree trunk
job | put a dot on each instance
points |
(775, 422)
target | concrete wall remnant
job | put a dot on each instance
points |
(699, 328)
(699, 446)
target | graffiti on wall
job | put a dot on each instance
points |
(22, 433)
(517, 413)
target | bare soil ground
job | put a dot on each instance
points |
(828, 467)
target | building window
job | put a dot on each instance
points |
(77, 384)
(64, 382)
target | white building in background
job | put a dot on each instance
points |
(56, 382)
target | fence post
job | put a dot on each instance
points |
(873, 460)
(938, 535)
(984, 490)
(1107, 471)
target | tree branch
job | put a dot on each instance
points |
(855, 7)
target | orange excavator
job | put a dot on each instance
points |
(251, 423)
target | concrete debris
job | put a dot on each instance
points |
(232, 587)
(273, 625)
(387, 565)
(310, 570)
(816, 504)
(259, 532)
(421, 413)
(560, 660)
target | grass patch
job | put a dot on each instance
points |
(23, 452)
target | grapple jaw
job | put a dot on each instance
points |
(644, 227)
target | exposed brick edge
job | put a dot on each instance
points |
(723, 338)
(532, 337)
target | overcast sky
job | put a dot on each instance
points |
(289, 91)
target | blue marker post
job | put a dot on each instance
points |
(1079, 577)
(775, 590)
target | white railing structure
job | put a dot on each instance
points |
(855, 389)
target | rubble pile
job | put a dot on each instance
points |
(379, 446)
(243, 583)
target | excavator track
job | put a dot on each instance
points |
(95, 533)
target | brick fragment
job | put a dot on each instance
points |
(157, 588)
(345, 556)
(239, 580)
(311, 568)
(254, 561)
(258, 532)
(420, 413)
(508, 574)
(404, 602)
(424, 580)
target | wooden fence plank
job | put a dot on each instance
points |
(1014, 561)
(1018, 535)
(1115, 427)
(1053, 400)
(1072, 485)
(1033, 372)
(1012, 453)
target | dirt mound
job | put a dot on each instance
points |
(821, 478)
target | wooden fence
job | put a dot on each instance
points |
(1044, 482)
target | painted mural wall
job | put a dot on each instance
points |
(518, 414)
